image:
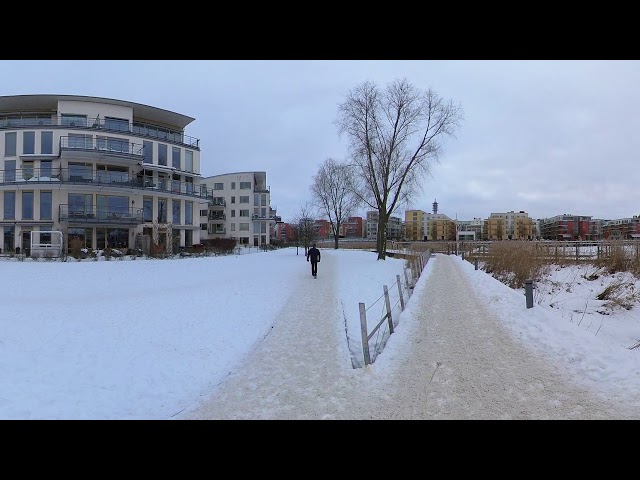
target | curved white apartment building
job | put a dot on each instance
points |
(110, 172)
(240, 208)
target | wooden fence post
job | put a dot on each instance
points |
(406, 281)
(400, 292)
(388, 303)
(365, 335)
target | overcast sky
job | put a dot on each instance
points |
(546, 137)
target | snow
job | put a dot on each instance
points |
(149, 339)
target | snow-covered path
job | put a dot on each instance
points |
(450, 358)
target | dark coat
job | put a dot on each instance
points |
(313, 254)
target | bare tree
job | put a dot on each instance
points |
(394, 136)
(333, 192)
(305, 226)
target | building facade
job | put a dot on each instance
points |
(414, 225)
(621, 229)
(352, 227)
(438, 226)
(566, 227)
(395, 226)
(239, 208)
(510, 226)
(107, 173)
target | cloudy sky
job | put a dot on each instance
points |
(546, 137)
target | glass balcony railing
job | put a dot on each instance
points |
(102, 145)
(83, 214)
(80, 175)
(108, 125)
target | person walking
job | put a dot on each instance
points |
(313, 255)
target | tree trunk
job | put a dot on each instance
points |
(382, 237)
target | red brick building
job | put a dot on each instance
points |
(323, 229)
(283, 232)
(353, 227)
(566, 227)
(621, 229)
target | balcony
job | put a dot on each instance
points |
(260, 189)
(270, 218)
(217, 202)
(88, 177)
(217, 217)
(99, 216)
(99, 148)
(218, 231)
(104, 125)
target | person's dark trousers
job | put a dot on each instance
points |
(314, 268)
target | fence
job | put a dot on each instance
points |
(385, 326)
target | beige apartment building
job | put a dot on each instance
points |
(240, 208)
(107, 172)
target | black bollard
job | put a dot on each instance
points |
(528, 292)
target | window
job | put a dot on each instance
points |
(46, 142)
(263, 227)
(10, 139)
(233, 213)
(112, 144)
(244, 199)
(147, 148)
(244, 213)
(162, 210)
(28, 143)
(27, 170)
(175, 157)
(9, 239)
(162, 154)
(244, 185)
(188, 160)
(256, 227)
(27, 205)
(108, 205)
(80, 171)
(244, 227)
(203, 213)
(203, 226)
(147, 209)
(188, 213)
(233, 227)
(233, 185)
(256, 199)
(80, 203)
(85, 235)
(45, 206)
(175, 218)
(9, 205)
(112, 174)
(72, 120)
(218, 186)
(79, 141)
(45, 168)
(263, 199)
(9, 170)
(119, 124)
(233, 199)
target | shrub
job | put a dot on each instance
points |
(514, 262)
(75, 245)
(220, 245)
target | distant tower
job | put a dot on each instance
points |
(435, 207)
